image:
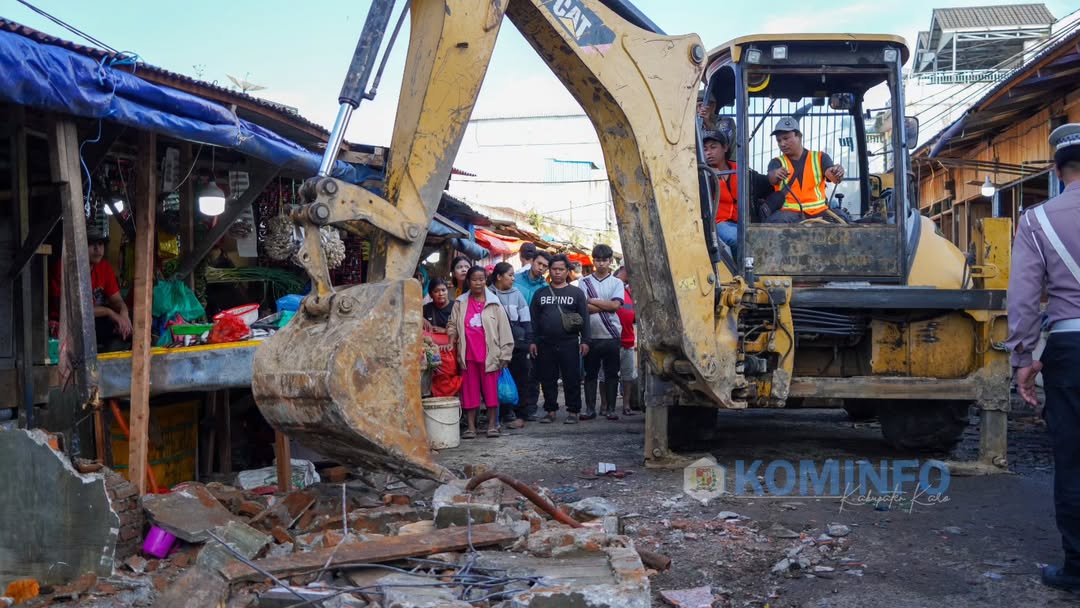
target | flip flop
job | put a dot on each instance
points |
(493, 433)
(626, 412)
(468, 435)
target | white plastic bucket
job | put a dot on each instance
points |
(442, 416)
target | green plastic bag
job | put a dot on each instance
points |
(173, 298)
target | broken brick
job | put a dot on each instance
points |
(281, 535)
(182, 559)
(382, 520)
(249, 508)
(336, 474)
(304, 524)
(396, 499)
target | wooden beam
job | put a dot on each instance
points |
(379, 550)
(187, 208)
(282, 454)
(78, 338)
(145, 208)
(260, 177)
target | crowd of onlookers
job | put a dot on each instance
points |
(542, 325)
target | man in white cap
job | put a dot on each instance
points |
(1046, 252)
(799, 175)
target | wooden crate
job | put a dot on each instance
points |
(173, 443)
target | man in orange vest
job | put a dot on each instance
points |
(799, 175)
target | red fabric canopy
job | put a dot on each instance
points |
(496, 244)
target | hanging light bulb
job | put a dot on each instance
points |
(118, 203)
(988, 189)
(211, 199)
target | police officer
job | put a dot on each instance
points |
(1046, 251)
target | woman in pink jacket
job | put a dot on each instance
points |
(480, 330)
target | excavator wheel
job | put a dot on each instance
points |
(923, 426)
(343, 378)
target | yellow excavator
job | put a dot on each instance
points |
(875, 311)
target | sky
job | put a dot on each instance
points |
(300, 51)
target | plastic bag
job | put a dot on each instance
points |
(508, 393)
(229, 329)
(173, 298)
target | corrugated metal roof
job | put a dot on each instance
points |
(993, 16)
(1044, 79)
(923, 41)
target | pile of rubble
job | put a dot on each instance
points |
(344, 545)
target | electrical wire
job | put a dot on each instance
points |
(67, 26)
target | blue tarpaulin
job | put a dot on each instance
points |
(56, 79)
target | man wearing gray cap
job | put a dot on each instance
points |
(799, 175)
(1046, 252)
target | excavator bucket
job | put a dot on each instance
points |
(343, 378)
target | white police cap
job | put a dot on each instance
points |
(1065, 136)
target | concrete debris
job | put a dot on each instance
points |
(838, 530)
(239, 536)
(59, 523)
(283, 597)
(419, 527)
(198, 586)
(136, 563)
(593, 507)
(409, 591)
(698, 597)
(454, 506)
(187, 512)
(778, 531)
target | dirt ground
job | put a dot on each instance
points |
(980, 548)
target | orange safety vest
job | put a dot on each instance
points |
(808, 193)
(727, 208)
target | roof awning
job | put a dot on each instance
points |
(57, 79)
(498, 245)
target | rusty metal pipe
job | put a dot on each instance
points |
(651, 559)
(545, 505)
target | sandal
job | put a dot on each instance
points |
(627, 412)
(468, 435)
(493, 433)
(517, 423)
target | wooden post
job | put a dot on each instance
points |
(224, 432)
(145, 207)
(284, 462)
(20, 187)
(187, 208)
(78, 340)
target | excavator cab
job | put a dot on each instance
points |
(825, 83)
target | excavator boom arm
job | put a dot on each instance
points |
(639, 89)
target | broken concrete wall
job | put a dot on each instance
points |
(57, 523)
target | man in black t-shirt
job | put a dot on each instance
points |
(558, 352)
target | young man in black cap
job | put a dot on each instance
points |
(111, 319)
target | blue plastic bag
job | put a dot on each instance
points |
(508, 393)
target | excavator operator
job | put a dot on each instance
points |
(799, 176)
